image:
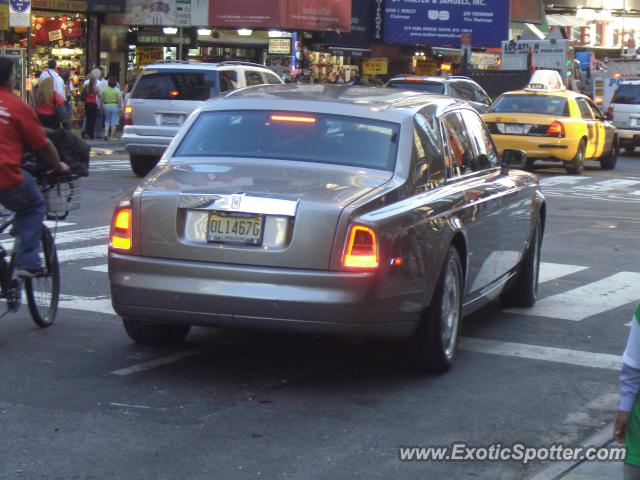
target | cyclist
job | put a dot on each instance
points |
(20, 128)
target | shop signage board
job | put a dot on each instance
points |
(426, 67)
(75, 6)
(442, 22)
(163, 13)
(147, 55)
(308, 15)
(279, 46)
(55, 35)
(375, 66)
(281, 65)
(19, 13)
(4, 15)
(105, 6)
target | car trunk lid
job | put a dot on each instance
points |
(297, 206)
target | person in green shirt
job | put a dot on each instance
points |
(111, 106)
(627, 426)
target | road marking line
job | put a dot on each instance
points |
(561, 180)
(587, 300)
(88, 304)
(53, 223)
(614, 184)
(552, 271)
(539, 352)
(116, 404)
(158, 362)
(73, 236)
(82, 253)
(98, 268)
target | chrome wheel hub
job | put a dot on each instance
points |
(450, 313)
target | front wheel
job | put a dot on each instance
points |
(152, 333)
(43, 291)
(576, 166)
(609, 161)
(433, 346)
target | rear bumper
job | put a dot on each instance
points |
(232, 296)
(629, 137)
(153, 145)
(563, 149)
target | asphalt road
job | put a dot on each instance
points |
(81, 401)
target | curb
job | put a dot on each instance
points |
(555, 471)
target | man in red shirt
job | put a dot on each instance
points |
(19, 127)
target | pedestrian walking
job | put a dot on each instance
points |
(48, 101)
(111, 106)
(627, 426)
(52, 72)
(91, 98)
(68, 97)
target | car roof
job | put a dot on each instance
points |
(369, 102)
(551, 93)
(429, 78)
(203, 66)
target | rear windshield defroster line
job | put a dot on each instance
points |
(298, 136)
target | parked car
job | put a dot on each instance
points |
(394, 217)
(624, 113)
(454, 86)
(164, 96)
(553, 124)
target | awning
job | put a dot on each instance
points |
(566, 21)
(233, 42)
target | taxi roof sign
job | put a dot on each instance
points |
(546, 80)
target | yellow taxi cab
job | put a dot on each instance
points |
(551, 123)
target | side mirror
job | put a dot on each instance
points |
(513, 158)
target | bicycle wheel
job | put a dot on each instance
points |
(43, 291)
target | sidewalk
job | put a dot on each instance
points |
(586, 470)
(102, 147)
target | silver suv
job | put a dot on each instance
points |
(164, 96)
(624, 112)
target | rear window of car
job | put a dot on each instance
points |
(427, 87)
(176, 85)
(627, 94)
(304, 137)
(542, 104)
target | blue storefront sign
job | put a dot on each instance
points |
(441, 22)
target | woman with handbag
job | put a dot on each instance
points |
(49, 104)
(91, 99)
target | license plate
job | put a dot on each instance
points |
(243, 228)
(515, 129)
(170, 119)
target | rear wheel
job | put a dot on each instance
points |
(152, 333)
(523, 292)
(142, 164)
(433, 346)
(43, 291)
(609, 161)
(576, 166)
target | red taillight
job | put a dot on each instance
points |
(121, 230)
(362, 248)
(556, 129)
(128, 117)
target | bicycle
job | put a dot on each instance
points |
(42, 291)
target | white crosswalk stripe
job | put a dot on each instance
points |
(109, 165)
(586, 187)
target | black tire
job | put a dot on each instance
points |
(523, 291)
(43, 292)
(576, 166)
(152, 333)
(425, 350)
(142, 164)
(630, 149)
(609, 161)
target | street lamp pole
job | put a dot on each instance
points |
(624, 14)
